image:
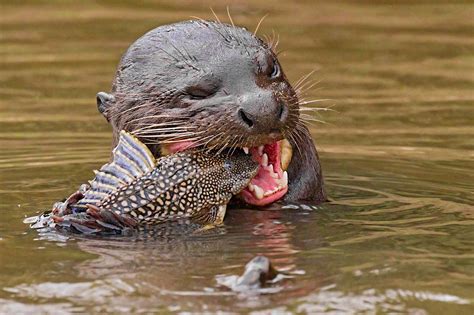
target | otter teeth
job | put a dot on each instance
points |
(246, 150)
(258, 191)
(284, 178)
(270, 169)
(251, 187)
(264, 160)
(274, 175)
(260, 150)
(282, 182)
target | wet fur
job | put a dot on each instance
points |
(142, 96)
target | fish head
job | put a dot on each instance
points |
(239, 169)
(226, 174)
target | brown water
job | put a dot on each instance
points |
(398, 158)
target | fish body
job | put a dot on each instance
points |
(136, 189)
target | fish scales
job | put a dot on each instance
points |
(136, 189)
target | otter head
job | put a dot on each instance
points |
(219, 87)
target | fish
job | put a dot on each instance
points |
(136, 190)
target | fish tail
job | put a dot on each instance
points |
(93, 221)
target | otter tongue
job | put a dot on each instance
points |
(271, 183)
(269, 171)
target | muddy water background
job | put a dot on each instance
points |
(398, 158)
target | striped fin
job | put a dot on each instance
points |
(131, 159)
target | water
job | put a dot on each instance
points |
(398, 157)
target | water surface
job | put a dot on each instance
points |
(398, 158)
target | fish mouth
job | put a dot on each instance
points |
(270, 183)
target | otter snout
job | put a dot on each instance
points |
(262, 113)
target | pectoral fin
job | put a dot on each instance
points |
(219, 217)
(212, 216)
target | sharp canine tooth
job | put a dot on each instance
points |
(260, 150)
(285, 179)
(251, 187)
(264, 159)
(286, 153)
(274, 175)
(246, 150)
(258, 192)
(270, 168)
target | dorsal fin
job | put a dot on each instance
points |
(131, 159)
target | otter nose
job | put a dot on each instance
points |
(264, 114)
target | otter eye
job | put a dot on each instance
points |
(199, 93)
(275, 70)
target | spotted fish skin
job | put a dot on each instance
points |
(135, 189)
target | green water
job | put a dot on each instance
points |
(398, 158)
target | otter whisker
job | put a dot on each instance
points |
(293, 140)
(166, 125)
(197, 17)
(306, 86)
(168, 129)
(299, 129)
(181, 122)
(224, 145)
(204, 140)
(218, 142)
(315, 101)
(310, 119)
(233, 145)
(213, 137)
(316, 110)
(156, 129)
(178, 122)
(165, 135)
(227, 39)
(277, 40)
(178, 119)
(230, 17)
(196, 141)
(273, 41)
(173, 57)
(168, 141)
(215, 15)
(134, 108)
(303, 78)
(180, 139)
(187, 59)
(164, 132)
(193, 58)
(259, 23)
(145, 104)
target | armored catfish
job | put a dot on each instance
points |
(135, 189)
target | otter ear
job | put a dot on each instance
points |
(104, 100)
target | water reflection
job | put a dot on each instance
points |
(164, 266)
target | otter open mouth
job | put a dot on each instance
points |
(271, 182)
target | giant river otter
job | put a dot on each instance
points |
(213, 85)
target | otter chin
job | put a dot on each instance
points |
(217, 87)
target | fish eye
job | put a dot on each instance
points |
(228, 165)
